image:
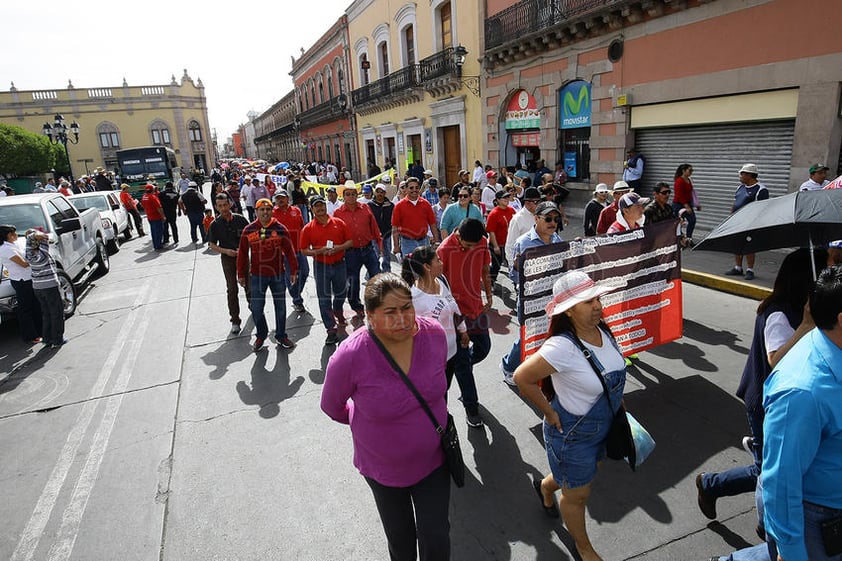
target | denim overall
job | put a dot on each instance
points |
(574, 452)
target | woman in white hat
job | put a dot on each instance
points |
(577, 414)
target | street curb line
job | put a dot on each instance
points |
(722, 284)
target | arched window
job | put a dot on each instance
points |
(109, 135)
(321, 90)
(160, 133)
(330, 86)
(194, 131)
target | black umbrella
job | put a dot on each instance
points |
(802, 219)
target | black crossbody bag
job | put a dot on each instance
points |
(449, 436)
(619, 444)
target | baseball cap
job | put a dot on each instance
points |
(331, 189)
(433, 182)
(317, 199)
(531, 193)
(428, 172)
(149, 187)
(631, 199)
(263, 203)
(501, 194)
(380, 187)
(546, 207)
(281, 193)
(491, 173)
(386, 179)
(818, 167)
(366, 188)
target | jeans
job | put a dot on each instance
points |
(464, 359)
(257, 302)
(386, 254)
(814, 516)
(28, 310)
(758, 552)
(169, 223)
(196, 222)
(305, 213)
(331, 284)
(251, 212)
(355, 258)
(409, 245)
(743, 479)
(232, 288)
(689, 216)
(52, 314)
(512, 360)
(416, 517)
(296, 290)
(156, 231)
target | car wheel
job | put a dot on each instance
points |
(68, 293)
(102, 261)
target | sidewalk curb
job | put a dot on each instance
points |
(722, 284)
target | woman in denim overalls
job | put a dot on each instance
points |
(577, 416)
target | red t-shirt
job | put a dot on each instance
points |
(463, 270)
(606, 218)
(682, 191)
(413, 219)
(498, 222)
(152, 206)
(315, 236)
(263, 248)
(128, 202)
(291, 219)
(361, 224)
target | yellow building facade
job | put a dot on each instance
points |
(113, 118)
(416, 87)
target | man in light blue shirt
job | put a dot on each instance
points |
(802, 448)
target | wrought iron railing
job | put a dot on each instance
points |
(396, 82)
(437, 65)
(529, 16)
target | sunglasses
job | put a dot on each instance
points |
(535, 201)
(464, 196)
(555, 219)
(667, 192)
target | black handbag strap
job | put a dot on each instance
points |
(407, 381)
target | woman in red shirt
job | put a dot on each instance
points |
(683, 196)
(497, 226)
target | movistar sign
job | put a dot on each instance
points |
(575, 102)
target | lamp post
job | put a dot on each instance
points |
(460, 54)
(57, 133)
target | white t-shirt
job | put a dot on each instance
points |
(574, 380)
(488, 194)
(16, 272)
(811, 185)
(777, 331)
(440, 307)
(521, 222)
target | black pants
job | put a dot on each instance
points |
(232, 288)
(428, 525)
(496, 262)
(169, 222)
(28, 310)
(138, 221)
(52, 313)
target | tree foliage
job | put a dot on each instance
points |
(26, 153)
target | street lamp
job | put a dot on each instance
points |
(57, 133)
(460, 54)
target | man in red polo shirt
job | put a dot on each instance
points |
(264, 249)
(411, 219)
(155, 215)
(364, 235)
(466, 262)
(292, 220)
(325, 239)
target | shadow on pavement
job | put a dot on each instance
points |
(269, 388)
(691, 420)
(231, 351)
(500, 507)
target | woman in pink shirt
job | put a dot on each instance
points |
(396, 447)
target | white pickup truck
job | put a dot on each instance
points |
(77, 242)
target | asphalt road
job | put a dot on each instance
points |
(155, 435)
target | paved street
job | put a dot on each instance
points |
(154, 434)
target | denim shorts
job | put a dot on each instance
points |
(573, 454)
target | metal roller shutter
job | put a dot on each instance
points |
(717, 152)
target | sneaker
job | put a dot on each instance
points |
(748, 444)
(508, 376)
(299, 308)
(235, 328)
(749, 274)
(734, 272)
(474, 421)
(628, 362)
(258, 344)
(331, 338)
(285, 343)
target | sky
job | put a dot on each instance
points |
(241, 51)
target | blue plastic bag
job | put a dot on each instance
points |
(643, 441)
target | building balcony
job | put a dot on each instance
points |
(532, 27)
(439, 74)
(396, 89)
(331, 110)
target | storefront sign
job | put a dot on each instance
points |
(526, 139)
(575, 102)
(645, 264)
(570, 164)
(522, 112)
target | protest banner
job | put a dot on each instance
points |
(311, 188)
(645, 264)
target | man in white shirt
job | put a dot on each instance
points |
(183, 183)
(332, 200)
(489, 192)
(818, 178)
(522, 221)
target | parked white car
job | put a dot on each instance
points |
(115, 219)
